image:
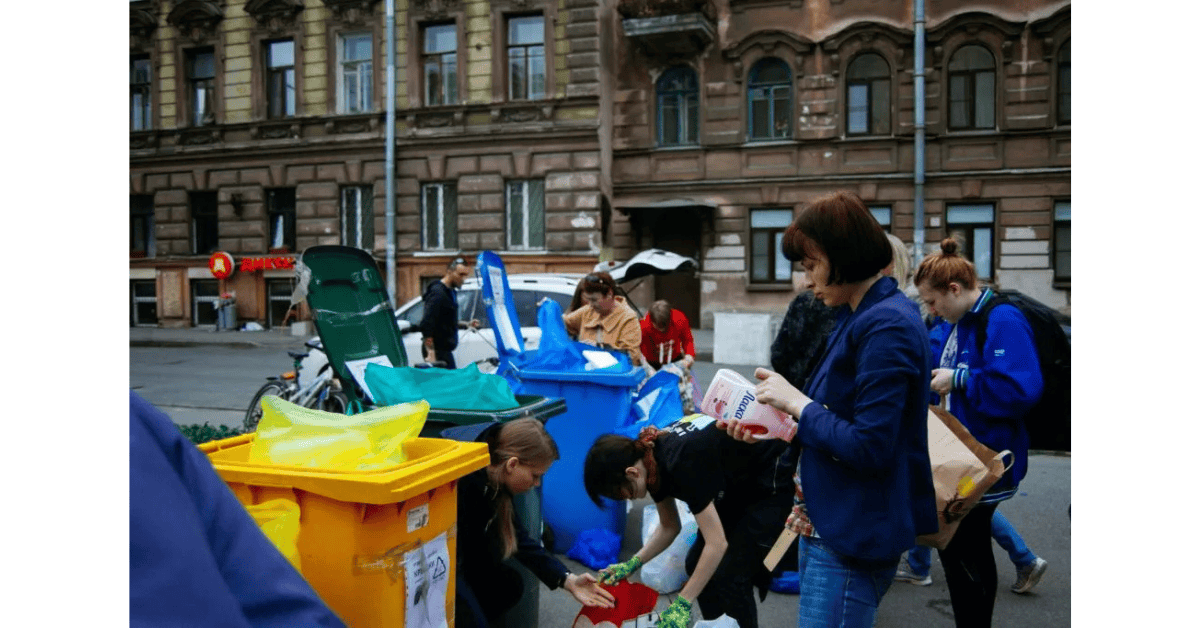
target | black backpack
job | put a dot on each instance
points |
(1049, 422)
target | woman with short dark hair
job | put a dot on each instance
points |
(864, 489)
(605, 319)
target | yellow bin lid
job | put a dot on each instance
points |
(431, 462)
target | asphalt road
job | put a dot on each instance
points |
(215, 383)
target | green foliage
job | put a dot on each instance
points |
(204, 433)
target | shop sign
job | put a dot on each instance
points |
(251, 264)
(220, 264)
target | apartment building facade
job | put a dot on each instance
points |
(563, 132)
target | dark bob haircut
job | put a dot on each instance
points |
(840, 226)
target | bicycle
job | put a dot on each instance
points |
(324, 392)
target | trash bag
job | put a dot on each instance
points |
(460, 389)
(293, 435)
(724, 621)
(557, 352)
(655, 403)
(634, 608)
(279, 519)
(665, 572)
(597, 548)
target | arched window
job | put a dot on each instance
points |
(1064, 83)
(868, 96)
(678, 107)
(770, 93)
(972, 88)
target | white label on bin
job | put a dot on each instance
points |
(418, 518)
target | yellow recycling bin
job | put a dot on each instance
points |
(377, 544)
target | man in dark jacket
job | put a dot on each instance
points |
(439, 323)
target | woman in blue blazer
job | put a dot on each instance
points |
(864, 489)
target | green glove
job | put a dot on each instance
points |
(613, 574)
(677, 615)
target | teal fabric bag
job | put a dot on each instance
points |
(459, 389)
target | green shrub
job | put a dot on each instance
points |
(204, 433)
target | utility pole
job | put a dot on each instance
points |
(919, 127)
(390, 152)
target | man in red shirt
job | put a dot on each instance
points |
(667, 336)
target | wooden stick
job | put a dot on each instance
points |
(781, 545)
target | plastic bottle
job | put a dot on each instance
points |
(731, 396)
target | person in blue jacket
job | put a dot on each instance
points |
(196, 557)
(989, 392)
(864, 487)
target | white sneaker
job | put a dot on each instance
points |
(904, 574)
(1029, 575)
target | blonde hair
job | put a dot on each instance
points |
(901, 266)
(526, 440)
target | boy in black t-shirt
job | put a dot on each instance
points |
(740, 493)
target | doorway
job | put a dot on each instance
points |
(678, 230)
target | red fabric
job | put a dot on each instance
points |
(678, 335)
(633, 600)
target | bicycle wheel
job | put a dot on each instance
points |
(254, 412)
(336, 403)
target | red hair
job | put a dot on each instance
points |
(939, 269)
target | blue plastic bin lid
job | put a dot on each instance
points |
(498, 301)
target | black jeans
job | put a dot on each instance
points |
(751, 528)
(447, 357)
(971, 569)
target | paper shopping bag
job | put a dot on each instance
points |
(634, 608)
(963, 470)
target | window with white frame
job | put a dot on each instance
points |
(883, 215)
(139, 93)
(767, 263)
(355, 79)
(358, 217)
(440, 60)
(974, 227)
(206, 296)
(1064, 83)
(203, 207)
(279, 301)
(868, 96)
(526, 211)
(769, 90)
(281, 219)
(281, 78)
(678, 107)
(439, 216)
(526, 57)
(143, 311)
(141, 225)
(1062, 241)
(202, 89)
(972, 88)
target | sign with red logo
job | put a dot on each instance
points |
(251, 264)
(220, 264)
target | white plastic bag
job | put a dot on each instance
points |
(665, 573)
(724, 621)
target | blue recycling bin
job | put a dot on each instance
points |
(598, 402)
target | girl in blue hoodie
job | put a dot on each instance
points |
(989, 391)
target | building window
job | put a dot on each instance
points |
(201, 76)
(678, 107)
(526, 58)
(279, 301)
(972, 88)
(143, 311)
(204, 222)
(355, 79)
(1062, 241)
(281, 78)
(139, 93)
(767, 263)
(973, 226)
(439, 216)
(770, 91)
(868, 96)
(281, 217)
(141, 225)
(441, 64)
(526, 214)
(206, 297)
(358, 219)
(883, 215)
(1064, 83)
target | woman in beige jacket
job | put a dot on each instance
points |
(605, 319)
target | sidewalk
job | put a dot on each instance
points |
(192, 336)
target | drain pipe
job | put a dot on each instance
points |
(390, 152)
(919, 128)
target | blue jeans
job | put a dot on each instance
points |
(839, 591)
(1004, 534)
